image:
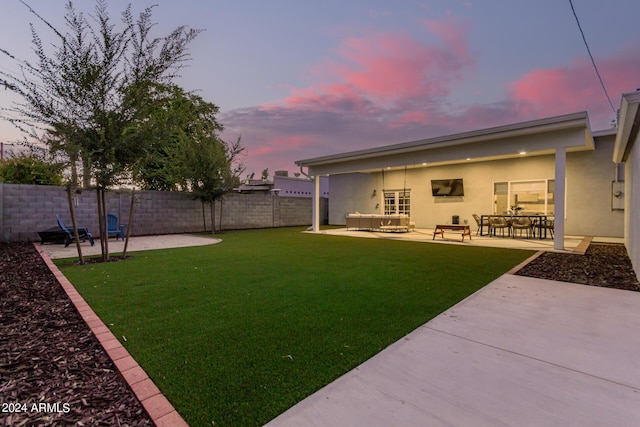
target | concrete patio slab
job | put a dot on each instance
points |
(136, 243)
(573, 244)
(519, 352)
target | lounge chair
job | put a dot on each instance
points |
(113, 229)
(83, 233)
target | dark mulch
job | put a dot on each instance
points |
(605, 265)
(53, 370)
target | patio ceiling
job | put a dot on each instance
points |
(533, 138)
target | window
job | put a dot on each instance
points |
(526, 197)
(397, 202)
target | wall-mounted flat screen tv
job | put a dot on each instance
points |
(447, 187)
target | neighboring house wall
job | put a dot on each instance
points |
(299, 187)
(27, 209)
(589, 176)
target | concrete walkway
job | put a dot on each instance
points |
(519, 352)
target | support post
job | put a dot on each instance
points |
(315, 220)
(559, 197)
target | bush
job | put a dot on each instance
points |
(30, 169)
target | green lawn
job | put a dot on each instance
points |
(240, 331)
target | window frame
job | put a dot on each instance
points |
(396, 202)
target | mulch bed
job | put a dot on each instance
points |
(605, 265)
(53, 370)
(49, 357)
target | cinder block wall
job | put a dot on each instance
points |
(27, 209)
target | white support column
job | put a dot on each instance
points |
(559, 198)
(315, 220)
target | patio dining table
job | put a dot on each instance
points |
(537, 220)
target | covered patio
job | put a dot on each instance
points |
(572, 244)
(564, 169)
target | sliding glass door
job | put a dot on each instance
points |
(531, 197)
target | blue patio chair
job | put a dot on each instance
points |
(113, 229)
(83, 233)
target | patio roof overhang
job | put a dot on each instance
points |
(628, 125)
(533, 138)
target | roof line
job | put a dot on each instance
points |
(573, 119)
(628, 123)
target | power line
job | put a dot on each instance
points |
(591, 56)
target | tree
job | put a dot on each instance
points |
(186, 153)
(85, 95)
(173, 120)
(235, 154)
(212, 169)
(30, 169)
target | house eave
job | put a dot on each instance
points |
(557, 123)
(628, 124)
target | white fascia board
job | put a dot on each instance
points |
(513, 130)
(626, 119)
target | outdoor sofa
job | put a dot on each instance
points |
(378, 222)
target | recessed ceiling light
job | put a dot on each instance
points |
(468, 158)
(522, 153)
(424, 164)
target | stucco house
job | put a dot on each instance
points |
(284, 185)
(627, 152)
(554, 166)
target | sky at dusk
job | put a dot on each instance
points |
(300, 79)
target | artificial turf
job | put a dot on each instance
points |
(235, 333)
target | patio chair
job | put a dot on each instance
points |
(521, 223)
(113, 229)
(83, 233)
(548, 224)
(498, 222)
(480, 225)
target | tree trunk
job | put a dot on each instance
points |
(213, 217)
(220, 218)
(73, 225)
(86, 172)
(100, 218)
(126, 242)
(74, 171)
(204, 219)
(106, 232)
(101, 223)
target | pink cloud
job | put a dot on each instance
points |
(553, 91)
(454, 34)
(389, 88)
(557, 90)
(331, 97)
(276, 147)
(386, 67)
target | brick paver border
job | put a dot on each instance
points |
(157, 406)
